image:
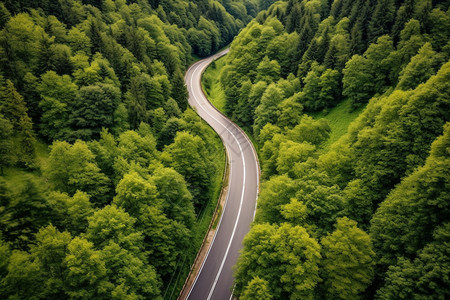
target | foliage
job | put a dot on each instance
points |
(286, 254)
(72, 167)
(418, 200)
(188, 156)
(377, 71)
(348, 261)
(102, 84)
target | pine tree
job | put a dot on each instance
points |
(179, 91)
(382, 19)
(14, 108)
(7, 151)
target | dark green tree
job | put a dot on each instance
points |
(93, 109)
(26, 212)
(179, 91)
(424, 277)
(382, 19)
(7, 147)
(177, 200)
(404, 222)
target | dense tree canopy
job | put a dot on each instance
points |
(110, 208)
(293, 260)
(386, 61)
(101, 187)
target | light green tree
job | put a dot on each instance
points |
(72, 167)
(256, 289)
(310, 131)
(358, 84)
(14, 109)
(58, 93)
(86, 271)
(420, 69)
(113, 224)
(70, 213)
(267, 110)
(290, 112)
(323, 201)
(24, 278)
(134, 192)
(348, 261)
(129, 275)
(165, 240)
(177, 200)
(49, 252)
(275, 193)
(134, 147)
(286, 257)
(291, 153)
(268, 70)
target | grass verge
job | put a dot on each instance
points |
(211, 84)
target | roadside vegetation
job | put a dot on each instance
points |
(348, 102)
(212, 87)
(108, 180)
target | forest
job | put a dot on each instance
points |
(366, 217)
(106, 174)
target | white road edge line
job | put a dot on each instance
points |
(218, 226)
(241, 201)
(215, 234)
(235, 224)
(240, 206)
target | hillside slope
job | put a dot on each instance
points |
(108, 181)
(366, 216)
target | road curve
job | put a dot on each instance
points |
(215, 279)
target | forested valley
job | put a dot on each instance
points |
(106, 174)
(366, 216)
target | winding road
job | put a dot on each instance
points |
(215, 278)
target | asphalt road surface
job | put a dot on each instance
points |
(215, 279)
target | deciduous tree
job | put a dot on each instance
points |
(348, 261)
